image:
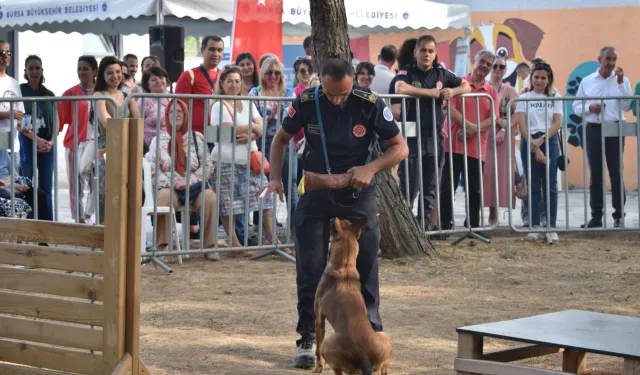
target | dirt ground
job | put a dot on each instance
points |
(239, 316)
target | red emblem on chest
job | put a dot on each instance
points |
(439, 85)
(291, 111)
(359, 130)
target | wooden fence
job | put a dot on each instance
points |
(67, 310)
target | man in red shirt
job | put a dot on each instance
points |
(481, 68)
(202, 80)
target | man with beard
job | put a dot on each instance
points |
(201, 80)
(607, 81)
(474, 127)
(429, 81)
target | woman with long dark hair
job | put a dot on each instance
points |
(544, 120)
(38, 126)
(109, 83)
(87, 70)
(249, 70)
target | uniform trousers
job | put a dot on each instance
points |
(312, 221)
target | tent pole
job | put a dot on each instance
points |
(159, 12)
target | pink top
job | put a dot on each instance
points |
(151, 117)
(299, 135)
(470, 115)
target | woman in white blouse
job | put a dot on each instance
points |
(236, 156)
(544, 117)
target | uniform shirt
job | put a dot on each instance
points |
(199, 86)
(349, 129)
(470, 114)
(382, 79)
(596, 85)
(437, 76)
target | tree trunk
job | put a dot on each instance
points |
(401, 234)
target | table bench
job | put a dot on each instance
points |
(573, 332)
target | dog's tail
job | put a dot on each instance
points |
(365, 366)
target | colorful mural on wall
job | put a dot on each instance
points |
(574, 122)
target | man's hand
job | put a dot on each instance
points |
(362, 176)
(470, 130)
(179, 184)
(500, 137)
(595, 108)
(446, 93)
(43, 146)
(18, 115)
(433, 93)
(274, 185)
(620, 74)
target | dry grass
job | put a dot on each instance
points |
(239, 316)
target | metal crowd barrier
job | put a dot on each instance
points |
(8, 144)
(413, 130)
(617, 129)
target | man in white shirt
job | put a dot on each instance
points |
(607, 81)
(9, 88)
(386, 60)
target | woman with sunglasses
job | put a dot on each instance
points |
(38, 126)
(87, 70)
(272, 84)
(506, 93)
(249, 69)
(543, 119)
(365, 71)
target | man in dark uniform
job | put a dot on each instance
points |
(351, 118)
(431, 82)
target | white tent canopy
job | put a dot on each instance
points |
(203, 17)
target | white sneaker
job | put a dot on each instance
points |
(554, 236)
(533, 236)
(214, 257)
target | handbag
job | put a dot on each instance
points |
(521, 189)
(256, 160)
(563, 157)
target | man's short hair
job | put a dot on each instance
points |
(337, 68)
(129, 56)
(388, 53)
(484, 52)
(425, 39)
(208, 38)
(308, 42)
(521, 66)
(606, 49)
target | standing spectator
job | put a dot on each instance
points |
(429, 81)
(474, 128)
(307, 45)
(383, 76)
(365, 71)
(223, 155)
(11, 89)
(272, 84)
(526, 84)
(506, 93)
(87, 70)
(148, 62)
(522, 70)
(108, 83)
(541, 86)
(132, 64)
(128, 82)
(303, 69)
(155, 81)
(604, 82)
(194, 163)
(247, 65)
(202, 79)
(39, 124)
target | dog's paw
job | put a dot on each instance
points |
(318, 369)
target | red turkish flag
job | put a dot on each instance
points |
(257, 28)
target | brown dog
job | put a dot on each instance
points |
(354, 348)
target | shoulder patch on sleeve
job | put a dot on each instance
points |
(387, 114)
(402, 73)
(365, 95)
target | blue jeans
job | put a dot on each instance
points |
(538, 179)
(45, 164)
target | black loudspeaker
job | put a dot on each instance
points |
(166, 42)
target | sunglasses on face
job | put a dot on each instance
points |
(5, 53)
(499, 66)
(304, 72)
(276, 73)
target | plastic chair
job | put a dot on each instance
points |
(147, 210)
